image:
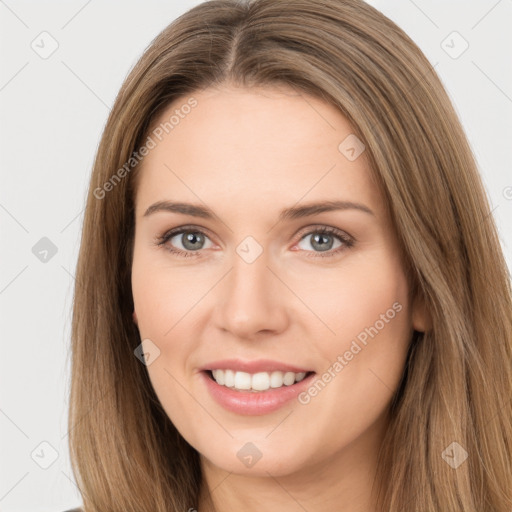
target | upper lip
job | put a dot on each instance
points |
(260, 365)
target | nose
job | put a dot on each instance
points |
(252, 300)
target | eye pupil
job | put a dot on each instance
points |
(319, 241)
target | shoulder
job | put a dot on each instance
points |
(74, 510)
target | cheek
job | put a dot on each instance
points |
(162, 294)
(166, 301)
(372, 306)
(165, 311)
(366, 299)
(366, 308)
(364, 312)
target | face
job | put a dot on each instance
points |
(254, 280)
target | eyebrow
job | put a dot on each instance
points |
(294, 212)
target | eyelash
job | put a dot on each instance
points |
(346, 240)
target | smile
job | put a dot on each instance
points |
(240, 398)
(256, 382)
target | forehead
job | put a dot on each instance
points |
(236, 146)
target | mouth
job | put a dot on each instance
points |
(256, 382)
(236, 393)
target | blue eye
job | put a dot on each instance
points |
(193, 240)
(324, 239)
(321, 241)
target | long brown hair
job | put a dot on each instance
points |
(457, 384)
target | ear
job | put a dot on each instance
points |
(135, 321)
(421, 318)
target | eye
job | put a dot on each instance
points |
(185, 241)
(324, 239)
(189, 241)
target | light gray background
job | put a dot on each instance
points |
(52, 114)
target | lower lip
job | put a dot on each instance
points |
(254, 404)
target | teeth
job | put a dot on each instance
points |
(262, 381)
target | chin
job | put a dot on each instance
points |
(248, 460)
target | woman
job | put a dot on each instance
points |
(290, 290)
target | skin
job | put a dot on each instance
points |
(247, 154)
